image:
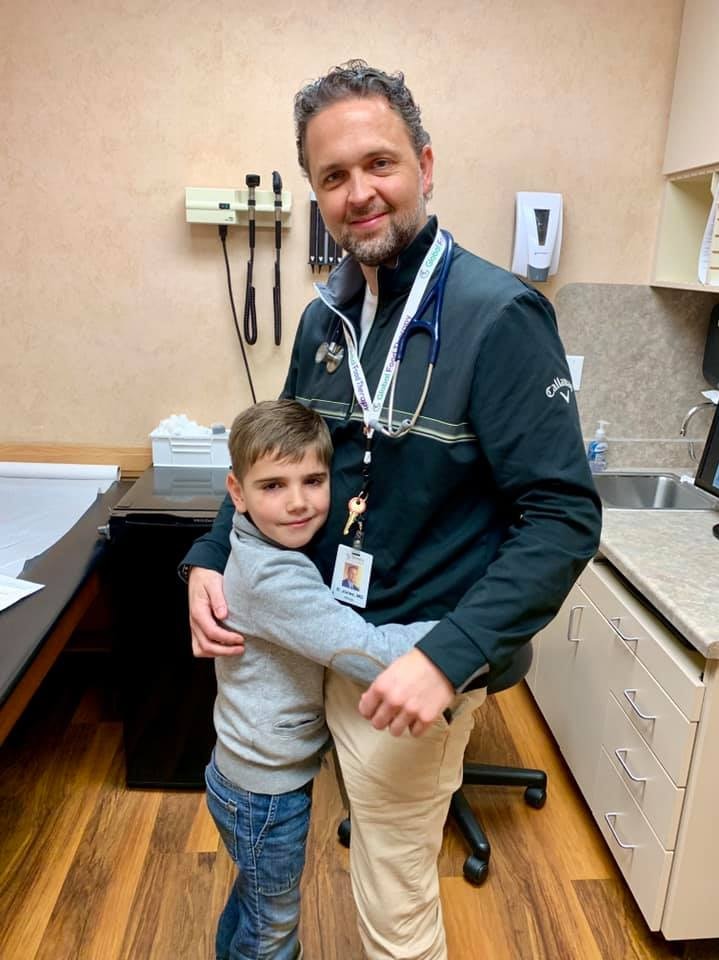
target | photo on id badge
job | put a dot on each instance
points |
(350, 579)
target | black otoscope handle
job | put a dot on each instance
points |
(278, 311)
(252, 180)
(276, 294)
(250, 316)
(277, 190)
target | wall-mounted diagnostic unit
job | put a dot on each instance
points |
(537, 235)
(220, 205)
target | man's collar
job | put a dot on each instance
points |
(392, 281)
(346, 280)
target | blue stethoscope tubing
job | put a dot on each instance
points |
(436, 293)
(332, 354)
(432, 329)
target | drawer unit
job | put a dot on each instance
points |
(676, 668)
(641, 858)
(635, 712)
(654, 792)
(571, 681)
(651, 711)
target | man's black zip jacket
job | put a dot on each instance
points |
(485, 514)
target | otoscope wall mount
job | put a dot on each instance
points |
(219, 205)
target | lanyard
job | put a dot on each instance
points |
(372, 407)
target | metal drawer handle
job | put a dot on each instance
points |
(570, 626)
(624, 846)
(635, 708)
(618, 754)
(615, 621)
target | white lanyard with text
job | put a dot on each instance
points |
(372, 409)
(353, 566)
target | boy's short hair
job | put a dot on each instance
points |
(281, 428)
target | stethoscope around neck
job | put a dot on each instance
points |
(331, 352)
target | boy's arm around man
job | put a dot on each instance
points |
(279, 595)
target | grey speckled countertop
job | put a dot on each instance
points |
(672, 558)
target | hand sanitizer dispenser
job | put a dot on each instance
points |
(537, 235)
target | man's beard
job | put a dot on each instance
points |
(400, 232)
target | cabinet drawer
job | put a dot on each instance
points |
(676, 668)
(642, 775)
(531, 677)
(646, 864)
(657, 718)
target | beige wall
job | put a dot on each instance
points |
(114, 311)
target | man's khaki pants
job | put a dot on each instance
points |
(399, 789)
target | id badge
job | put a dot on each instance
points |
(350, 579)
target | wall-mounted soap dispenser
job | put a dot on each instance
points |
(537, 235)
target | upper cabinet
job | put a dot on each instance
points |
(691, 156)
(693, 137)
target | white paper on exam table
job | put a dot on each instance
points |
(40, 502)
(12, 590)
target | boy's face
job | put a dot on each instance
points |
(288, 502)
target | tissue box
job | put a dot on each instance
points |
(179, 442)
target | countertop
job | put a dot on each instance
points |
(672, 558)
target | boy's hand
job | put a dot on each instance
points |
(411, 692)
(206, 598)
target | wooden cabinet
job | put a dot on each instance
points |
(635, 712)
(686, 205)
(570, 682)
(693, 134)
(692, 151)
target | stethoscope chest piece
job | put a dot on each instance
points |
(331, 354)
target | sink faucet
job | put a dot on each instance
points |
(685, 424)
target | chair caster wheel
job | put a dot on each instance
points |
(344, 832)
(536, 797)
(475, 870)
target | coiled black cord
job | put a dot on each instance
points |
(223, 240)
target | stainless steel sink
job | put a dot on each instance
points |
(650, 491)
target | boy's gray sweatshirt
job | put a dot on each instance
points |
(269, 713)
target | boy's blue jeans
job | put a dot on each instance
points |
(265, 835)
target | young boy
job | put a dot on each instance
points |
(269, 712)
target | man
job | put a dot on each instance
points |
(350, 578)
(481, 515)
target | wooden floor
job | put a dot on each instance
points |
(92, 871)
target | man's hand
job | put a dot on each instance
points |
(411, 692)
(207, 605)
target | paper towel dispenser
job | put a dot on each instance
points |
(710, 363)
(537, 235)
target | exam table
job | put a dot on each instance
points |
(34, 631)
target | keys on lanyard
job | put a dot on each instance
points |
(356, 506)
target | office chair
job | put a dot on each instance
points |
(476, 866)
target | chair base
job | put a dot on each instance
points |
(476, 866)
